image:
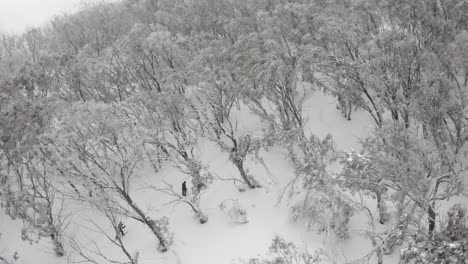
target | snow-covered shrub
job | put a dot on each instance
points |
(5, 260)
(282, 252)
(12, 260)
(448, 246)
(324, 214)
(313, 189)
(457, 228)
(236, 213)
(394, 237)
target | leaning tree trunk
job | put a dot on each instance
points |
(144, 219)
(57, 243)
(198, 186)
(54, 232)
(240, 166)
(202, 218)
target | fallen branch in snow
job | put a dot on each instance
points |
(178, 199)
(289, 186)
(217, 177)
(234, 211)
(234, 180)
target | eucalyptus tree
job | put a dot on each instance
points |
(97, 146)
(218, 93)
(173, 127)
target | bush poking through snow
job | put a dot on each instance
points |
(236, 213)
(281, 252)
(12, 260)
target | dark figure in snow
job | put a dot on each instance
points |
(184, 188)
(120, 231)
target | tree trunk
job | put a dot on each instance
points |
(196, 209)
(240, 166)
(55, 234)
(425, 131)
(407, 120)
(395, 116)
(56, 241)
(349, 109)
(379, 250)
(381, 207)
(377, 117)
(144, 219)
(431, 217)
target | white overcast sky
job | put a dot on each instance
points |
(16, 15)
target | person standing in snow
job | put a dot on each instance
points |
(184, 188)
(120, 228)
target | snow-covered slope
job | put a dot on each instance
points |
(219, 240)
(13, 247)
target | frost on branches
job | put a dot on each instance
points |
(315, 193)
(450, 245)
(324, 213)
(288, 253)
(34, 202)
(172, 126)
(104, 161)
(359, 174)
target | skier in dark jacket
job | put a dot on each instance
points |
(120, 228)
(184, 188)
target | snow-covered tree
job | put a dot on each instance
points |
(150, 58)
(92, 252)
(173, 126)
(169, 74)
(316, 196)
(288, 253)
(271, 66)
(36, 204)
(27, 188)
(214, 101)
(409, 170)
(359, 174)
(88, 150)
(449, 245)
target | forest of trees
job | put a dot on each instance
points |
(94, 95)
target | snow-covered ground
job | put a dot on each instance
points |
(219, 241)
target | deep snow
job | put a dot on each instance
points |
(218, 241)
